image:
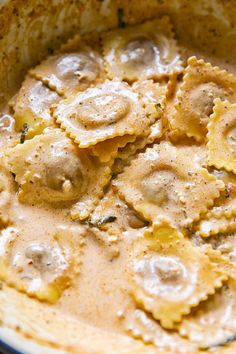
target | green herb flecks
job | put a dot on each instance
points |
(121, 20)
(158, 106)
(102, 221)
(24, 133)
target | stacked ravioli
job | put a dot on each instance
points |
(117, 130)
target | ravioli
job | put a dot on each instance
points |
(31, 107)
(50, 168)
(108, 149)
(144, 51)
(41, 269)
(213, 225)
(225, 243)
(169, 275)
(221, 145)
(158, 183)
(106, 111)
(217, 315)
(71, 72)
(140, 325)
(202, 83)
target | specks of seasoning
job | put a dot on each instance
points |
(24, 133)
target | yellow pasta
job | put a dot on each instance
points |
(221, 145)
(146, 51)
(42, 269)
(70, 72)
(221, 250)
(106, 111)
(31, 107)
(50, 168)
(213, 322)
(169, 275)
(140, 325)
(202, 83)
(5, 195)
(225, 205)
(221, 218)
(108, 149)
(169, 181)
(214, 225)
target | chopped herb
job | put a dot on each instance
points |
(121, 21)
(24, 133)
(221, 344)
(103, 221)
(158, 106)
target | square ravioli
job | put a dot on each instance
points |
(31, 107)
(103, 112)
(144, 51)
(202, 83)
(169, 275)
(169, 181)
(71, 71)
(50, 168)
(221, 145)
(42, 269)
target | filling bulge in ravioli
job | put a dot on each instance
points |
(143, 51)
(50, 168)
(169, 275)
(169, 181)
(202, 100)
(163, 276)
(138, 52)
(68, 73)
(106, 111)
(31, 107)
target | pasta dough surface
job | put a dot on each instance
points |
(146, 51)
